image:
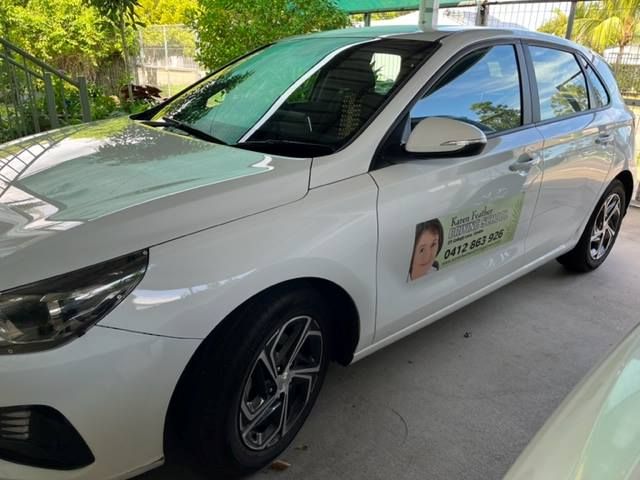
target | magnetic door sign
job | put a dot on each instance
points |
(442, 241)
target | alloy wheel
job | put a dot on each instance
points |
(606, 226)
(280, 383)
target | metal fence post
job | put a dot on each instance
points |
(571, 19)
(166, 57)
(140, 59)
(84, 99)
(428, 16)
(21, 121)
(29, 84)
(482, 15)
(50, 96)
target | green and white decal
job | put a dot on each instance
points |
(478, 229)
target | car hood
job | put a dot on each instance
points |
(84, 194)
(595, 433)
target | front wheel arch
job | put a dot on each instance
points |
(345, 328)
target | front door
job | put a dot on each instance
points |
(449, 226)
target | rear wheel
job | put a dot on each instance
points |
(601, 232)
(256, 386)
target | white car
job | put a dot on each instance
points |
(184, 276)
(595, 432)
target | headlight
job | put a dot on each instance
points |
(48, 313)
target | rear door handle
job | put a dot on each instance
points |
(604, 139)
(525, 163)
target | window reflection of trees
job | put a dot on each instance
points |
(561, 84)
(497, 117)
(482, 89)
(113, 140)
(201, 101)
(569, 98)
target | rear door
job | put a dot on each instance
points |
(576, 125)
(450, 226)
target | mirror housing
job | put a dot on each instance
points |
(442, 137)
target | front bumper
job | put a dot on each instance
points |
(113, 386)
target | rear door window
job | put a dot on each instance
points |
(562, 87)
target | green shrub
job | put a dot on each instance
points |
(229, 28)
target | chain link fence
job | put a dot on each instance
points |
(570, 19)
(166, 58)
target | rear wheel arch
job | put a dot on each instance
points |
(600, 232)
(345, 329)
(627, 181)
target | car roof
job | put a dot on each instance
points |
(442, 33)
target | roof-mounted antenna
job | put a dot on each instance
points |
(428, 18)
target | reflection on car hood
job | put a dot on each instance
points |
(595, 433)
(80, 195)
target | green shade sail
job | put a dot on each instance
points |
(373, 6)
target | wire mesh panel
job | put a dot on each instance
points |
(608, 27)
(167, 58)
(465, 15)
(531, 16)
(626, 66)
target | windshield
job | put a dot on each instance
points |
(300, 97)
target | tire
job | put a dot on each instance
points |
(234, 385)
(601, 232)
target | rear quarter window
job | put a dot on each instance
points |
(599, 95)
(607, 76)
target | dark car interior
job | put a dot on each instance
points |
(335, 103)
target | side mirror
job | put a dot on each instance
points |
(441, 136)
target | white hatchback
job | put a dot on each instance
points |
(184, 276)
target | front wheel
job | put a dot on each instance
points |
(601, 232)
(257, 386)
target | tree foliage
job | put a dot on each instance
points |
(163, 19)
(497, 117)
(230, 28)
(600, 25)
(63, 33)
(122, 15)
(558, 24)
(567, 100)
(117, 12)
(166, 12)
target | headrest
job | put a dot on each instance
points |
(354, 74)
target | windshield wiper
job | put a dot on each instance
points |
(170, 122)
(290, 143)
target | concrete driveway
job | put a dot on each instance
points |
(461, 398)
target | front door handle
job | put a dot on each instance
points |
(604, 139)
(525, 163)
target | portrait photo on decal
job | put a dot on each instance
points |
(426, 247)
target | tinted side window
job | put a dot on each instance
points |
(562, 88)
(482, 88)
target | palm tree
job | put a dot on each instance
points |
(609, 24)
(601, 25)
(559, 23)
